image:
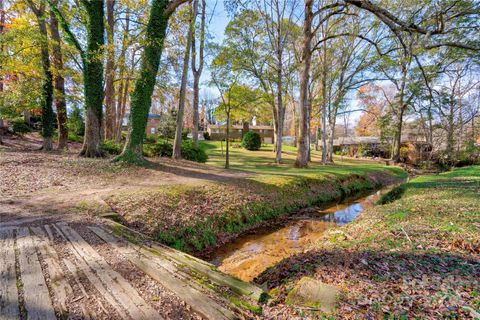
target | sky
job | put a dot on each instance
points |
(217, 20)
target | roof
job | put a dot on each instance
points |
(371, 140)
(355, 140)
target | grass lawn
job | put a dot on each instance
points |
(263, 161)
(416, 256)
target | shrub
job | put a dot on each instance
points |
(112, 147)
(76, 121)
(159, 149)
(164, 149)
(404, 154)
(20, 128)
(206, 135)
(184, 134)
(193, 153)
(168, 124)
(360, 150)
(251, 141)
(469, 156)
(72, 136)
(150, 139)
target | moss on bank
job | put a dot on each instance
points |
(196, 217)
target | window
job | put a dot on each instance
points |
(152, 130)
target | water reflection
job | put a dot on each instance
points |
(250, 255)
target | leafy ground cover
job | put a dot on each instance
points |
(414, 257)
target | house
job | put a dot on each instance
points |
(219, 132)
(360, 146)
(412, 151)
(153, 123)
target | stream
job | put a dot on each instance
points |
(251, 254)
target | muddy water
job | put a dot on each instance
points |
(250, 255)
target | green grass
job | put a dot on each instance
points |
(263, 162)
(435, 211)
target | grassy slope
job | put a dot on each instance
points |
(193, 217)
(417, 256)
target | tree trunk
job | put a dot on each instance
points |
(27, 117)
(141, 98)
(398, 136)
(93, 80)
(177, 144)
(2, 24)
(124, 83)
(196, 89)
(123, 105)
(403, 107)
(197, 72)
(332, 122)
(227, 139)
(302, 152)
(450, 133)
(324, 104)
(309, 136)
(47, 86)
(330, 143)
(59, 83)
(280, 108)
(110, 74)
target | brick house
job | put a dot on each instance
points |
(219, 132)
(153, 123)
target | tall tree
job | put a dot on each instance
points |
(47, 87)
(124, 78)
(197, 70)
(2, 26)
(92, 64)
(177, 143)
(110, 73)
(141, 98)
(59, 82)
(303, 147)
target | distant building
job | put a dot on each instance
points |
(414, 150)
(153, 123)
(219, 132)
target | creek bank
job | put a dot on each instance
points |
(199, 218)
